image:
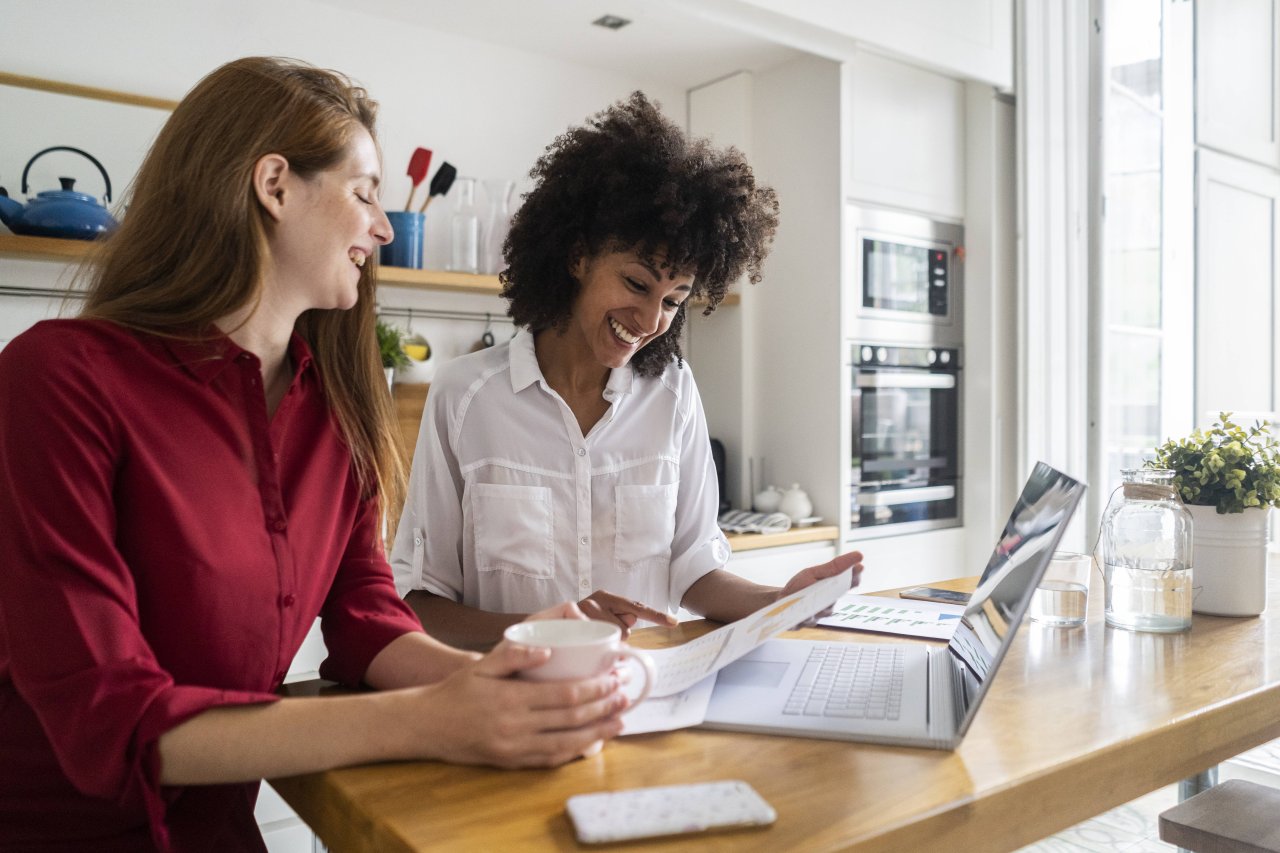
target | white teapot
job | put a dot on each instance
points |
(767, 500)
(795, 503)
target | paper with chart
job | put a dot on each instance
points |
(682, 667)
(677, 711)
(932, 620)
(686, 673)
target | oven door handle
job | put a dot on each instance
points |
(905, 380)
(923, 494)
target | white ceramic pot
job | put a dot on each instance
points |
(391, 376)
(795, 503)
(767, 500)
(1229, 561)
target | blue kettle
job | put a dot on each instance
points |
(58, 213)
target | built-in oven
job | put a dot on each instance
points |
(905, 438)
(908, 272)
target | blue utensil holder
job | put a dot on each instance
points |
(405, 249)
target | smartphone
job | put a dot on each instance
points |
(611, 816)
(932, 593)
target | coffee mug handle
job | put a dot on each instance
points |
(650, 672)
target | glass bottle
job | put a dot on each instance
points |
(464, 228)
(1146, 554)
(497, 223)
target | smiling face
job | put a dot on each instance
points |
(624, 302)
(327, 227)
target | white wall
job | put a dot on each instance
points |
(490, 111)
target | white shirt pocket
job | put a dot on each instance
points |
(645, 526)
(513, 529)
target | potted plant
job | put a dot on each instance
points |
(1229, 478)
(390, 343)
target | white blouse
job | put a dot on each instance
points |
(511, 509)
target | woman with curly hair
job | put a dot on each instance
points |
(574, 462)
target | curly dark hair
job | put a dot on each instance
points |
(630, 179)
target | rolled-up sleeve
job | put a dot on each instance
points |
(362, 612)
(699, 546)
(73, 645)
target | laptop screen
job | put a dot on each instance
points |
(1021, 555)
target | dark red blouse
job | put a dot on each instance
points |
(164, 548)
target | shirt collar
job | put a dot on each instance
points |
(525, 369)
(205, 358)
(524, 361)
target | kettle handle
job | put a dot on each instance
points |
(84, 154)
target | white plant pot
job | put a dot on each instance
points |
(1229, 561)
(417, 372)
(391, 376)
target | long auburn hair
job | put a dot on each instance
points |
(193, 245)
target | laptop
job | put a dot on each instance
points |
(905, 694)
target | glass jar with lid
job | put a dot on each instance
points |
(1146, 554)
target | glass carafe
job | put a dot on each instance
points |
(464, 228)
(1146, 554)
(497, 223)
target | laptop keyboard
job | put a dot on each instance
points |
(848, 680)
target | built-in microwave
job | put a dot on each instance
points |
(908, 275)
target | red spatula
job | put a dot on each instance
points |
(418, 165)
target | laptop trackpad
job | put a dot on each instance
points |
(753, 673)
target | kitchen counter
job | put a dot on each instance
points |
(739, 542)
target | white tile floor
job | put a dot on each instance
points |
(1134, 827)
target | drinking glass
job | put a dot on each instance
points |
(1062, 598)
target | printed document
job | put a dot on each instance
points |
(679, 697)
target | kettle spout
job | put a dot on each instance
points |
(9, 209)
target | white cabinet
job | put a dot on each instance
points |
(281, 828)
(1236, 78)
(918, 559)
(775, 566)
(906, 139)
(1237, 233)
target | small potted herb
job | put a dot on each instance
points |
(390, 347)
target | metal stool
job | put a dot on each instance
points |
(1234, 817)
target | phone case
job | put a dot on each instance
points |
(667, 810)
(924, 593)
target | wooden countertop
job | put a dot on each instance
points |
(1077, 721)
(739, 542)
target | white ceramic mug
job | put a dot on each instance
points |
(580, 648)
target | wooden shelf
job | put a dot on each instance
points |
(54, 249)
(739, 542)
(458, 282)
(43, 248)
